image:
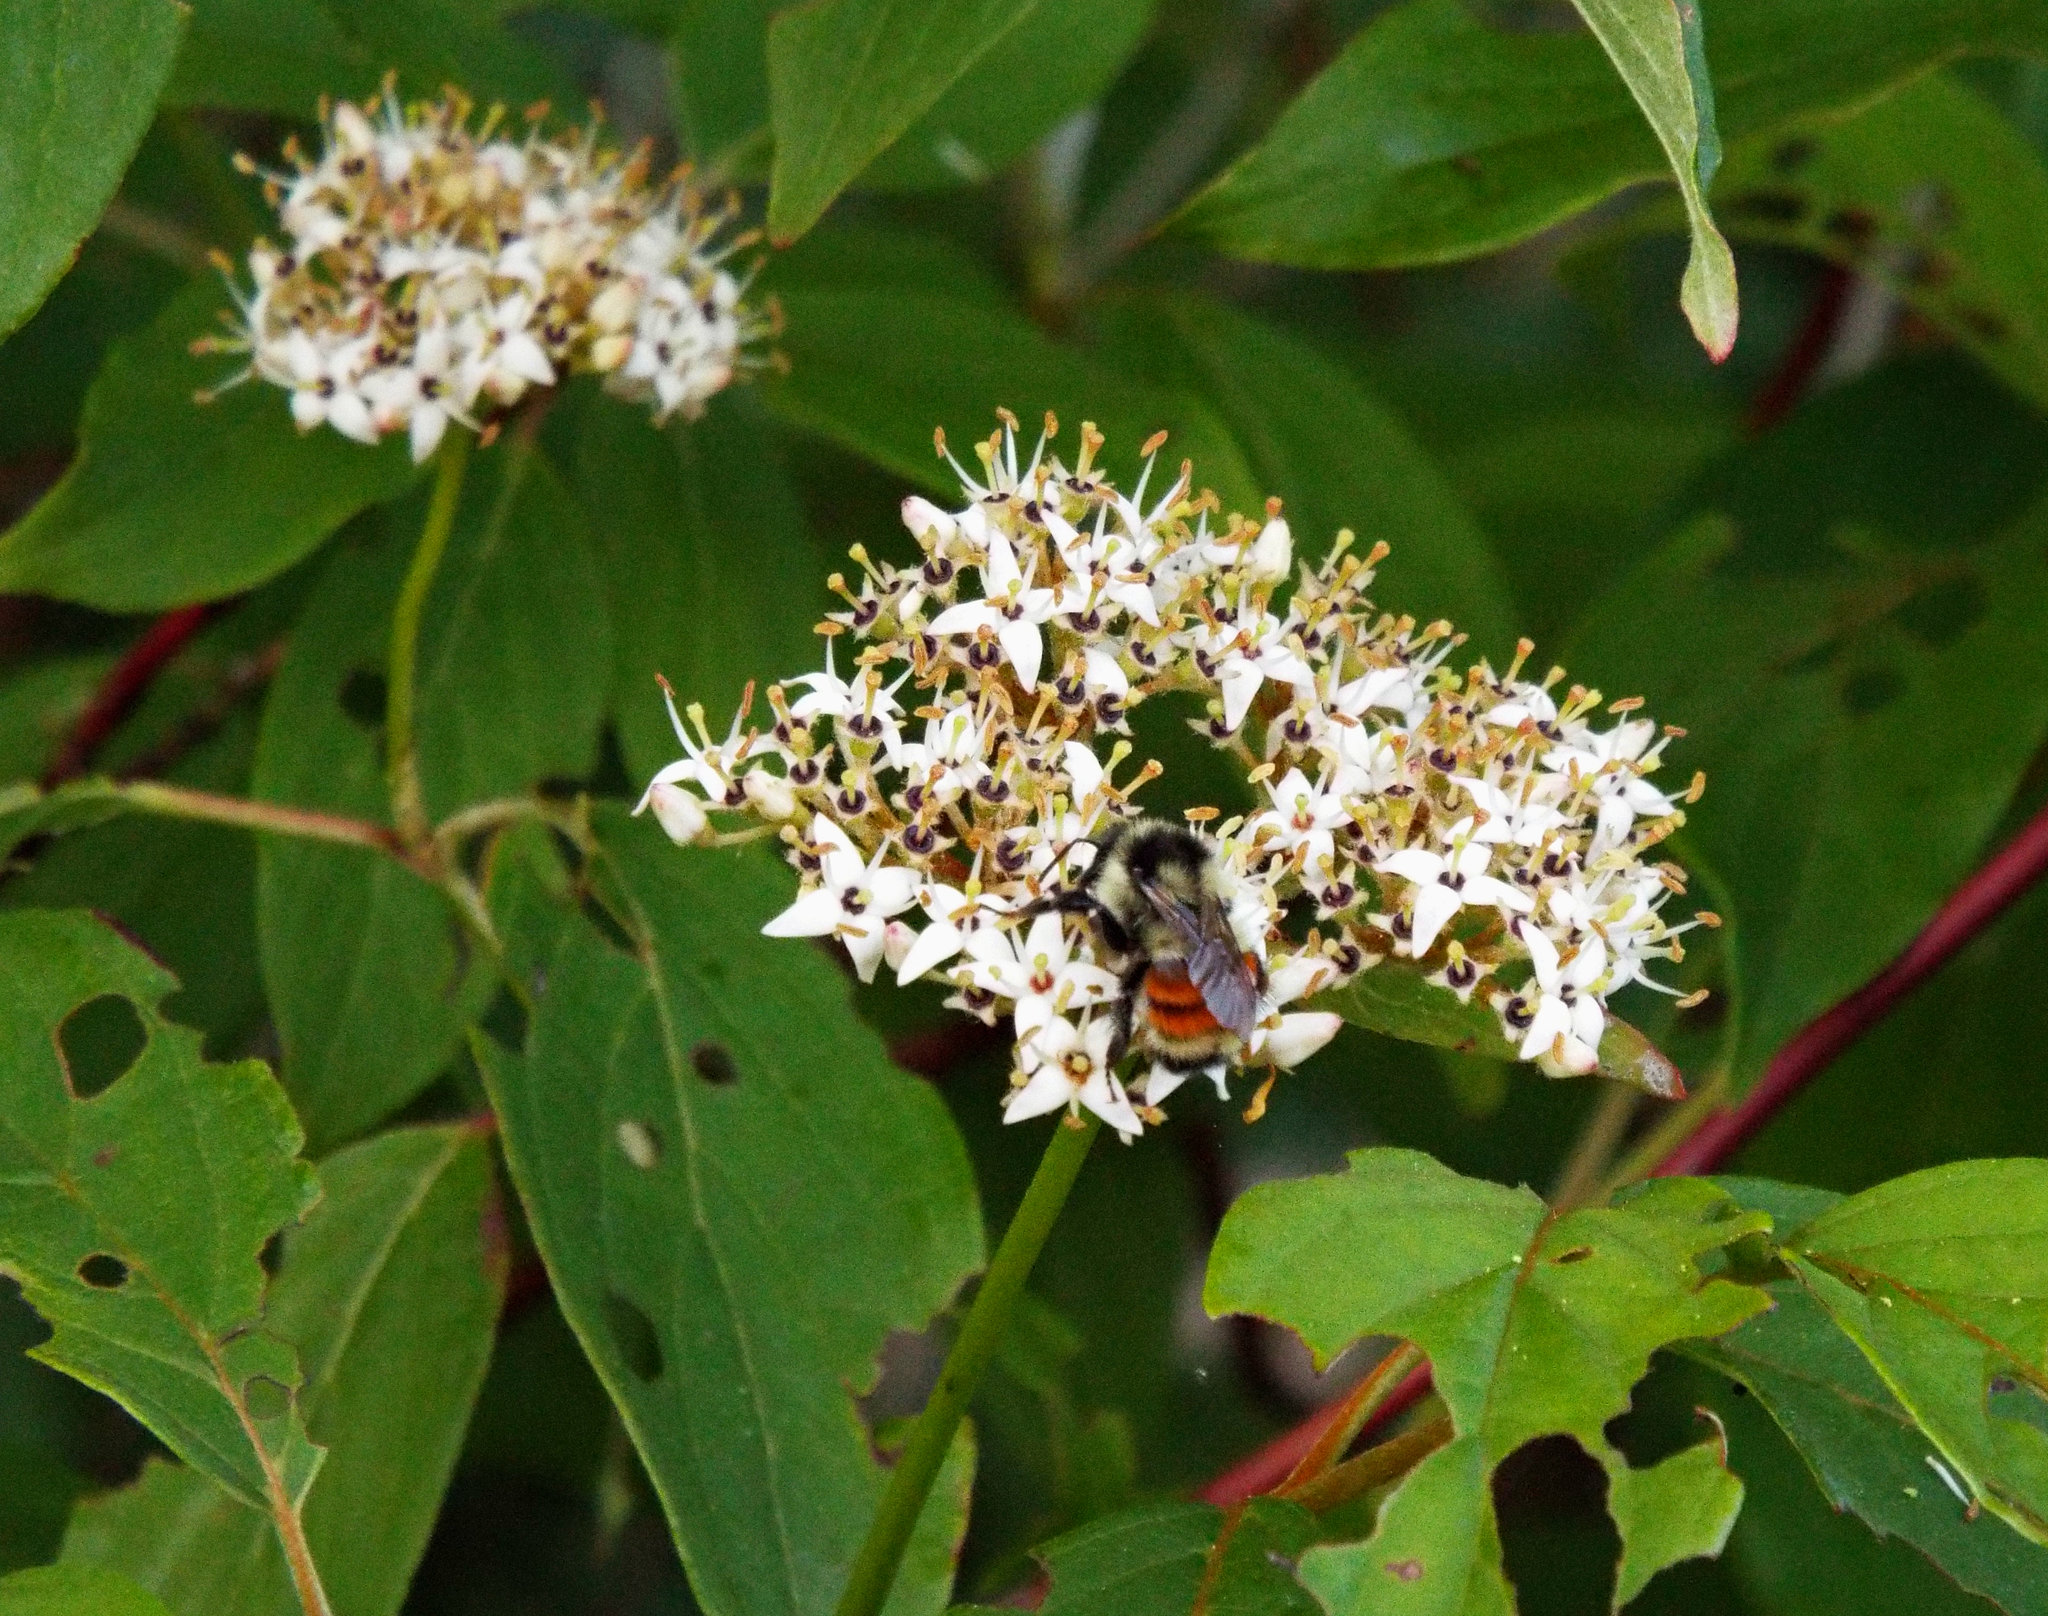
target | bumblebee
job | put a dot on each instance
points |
(1190, 994)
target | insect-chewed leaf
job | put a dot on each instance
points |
(138, 1185)
(1534, 1327)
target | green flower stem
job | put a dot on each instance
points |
(408, 812)
(874, 1571)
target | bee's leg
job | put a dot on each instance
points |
(1080, 901)
(1122, 1012)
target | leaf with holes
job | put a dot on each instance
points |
(389, 1292)
(369, 980)
(1533, 1326)
(74, 1591)
(1860, 1446)
(138, 1185)
(78, 85)
(169, 501)
(737, 1197)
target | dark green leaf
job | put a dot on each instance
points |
(1435, 137)
(78, 86)
(1655, 45)
(1533, 1326)
(714, 579)
(876, 366)
(1145, 1562)
(847, 77)
(170, 501)
(367, 984)
(718, 73)
(134, 1218)
(74, 1591)
(1338, 456)
(737, 1198)
(390, 1293)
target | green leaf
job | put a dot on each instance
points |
(1146, 1561)
(686, 517)
(170, 501)
(74, 1591)
(1656, 47)
(847, 77)
(78, 86)
(876, 363)
(737, 1198)
(1060, 57)
(367, 982)
(1860, 1446)
(134, 1218)
(1397, 998)
(1941, 1278)
(1533, 1326)
(1932, 192)
(390, 1293)
(1434, 137)
(1339, 457)
(718, 73)
(1863, 715)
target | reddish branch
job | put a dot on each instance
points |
(1808, 352)
(122, 688)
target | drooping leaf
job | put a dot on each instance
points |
(714, 578)
(170, 501)
(1656, 47)
(876, 364)
(847, 77)
(1863, 715)
(1534, 1326)
(1339, 457)
(1941, 1279)
(390, 1293)
(367, 982)
(737, 1198)
(1435, 137)
(66, 1590)
(78, 86)
(1861, 1448)
(138, 1185)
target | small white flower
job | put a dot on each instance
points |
(1066, 1065)
(1446, 882)
(853, 900)
(1040, 970)
(1564, 1036)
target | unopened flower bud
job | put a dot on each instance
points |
(772, 796)
(897, 942)
(1272, 556)
(921, 516)
(613, 308)
(681, 814)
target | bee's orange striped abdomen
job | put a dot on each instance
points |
(1174, 1005)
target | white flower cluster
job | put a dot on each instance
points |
(433, 272)
(952, 771)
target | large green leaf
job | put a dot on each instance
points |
(1435, 137)
(882, 352)
(78, 85)
(133, 1214)
(170, 501)
(1157, 1558)
(737, 1198)
(1941, 1278)
(1860, 1446)
(1334, 452)
(1656, 47)
(714, 577)
(390, 1293)
(1863, 718)
(847, 77)
(74, 1591)
(368, 985)
(1533, 1326)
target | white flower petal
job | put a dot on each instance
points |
(1299, 1036)
(1434, 906)
(814, 914)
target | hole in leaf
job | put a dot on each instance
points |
(633, 1334)
(714, 1063)
(99, 1042)
(1576, 1254)
(364, 697)
(272, 1254)
(103, 1271)
(267, 1398)
(639, 1144)
(504, 1021)
(1788, 157)
(607, 924)
(1872, 689)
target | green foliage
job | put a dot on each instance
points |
(77, 87)
(74, 1591)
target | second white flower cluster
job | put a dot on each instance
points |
(432, 272)
(939, 785)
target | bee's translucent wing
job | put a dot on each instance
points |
(1214, 963)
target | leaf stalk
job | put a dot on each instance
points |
(408, 810)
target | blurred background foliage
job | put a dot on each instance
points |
(1823, 557)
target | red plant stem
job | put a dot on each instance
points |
(1809, 350)
(1972, 907)
(122, 688)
